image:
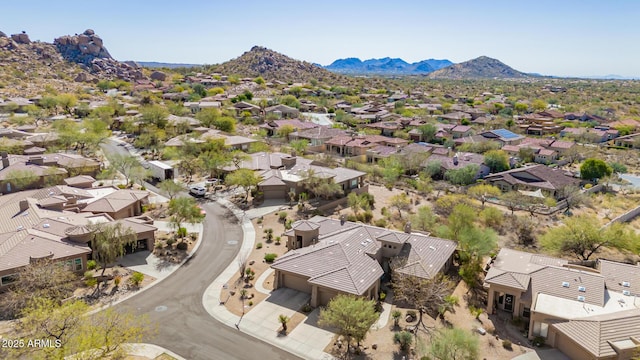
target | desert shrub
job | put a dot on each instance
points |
(92, 265)
(380, 223)
(277, 240)
(171, 241)
(270, 257)
(282, 216)
(404, 339)
(365, 217)
(538, 341)
(288, 224)
(411, 313)
(136, 278)
(91, 282)
(182, 246)
(352, 218)
(384, 211)
(507, 345)
(259, 245)
(182, 232)
(492, 217)
(122, 186)
(88, 275)
(250, 303)
(445, 204)
(117, 280)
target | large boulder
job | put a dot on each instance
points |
(81, 77)
(21, 38)
(2, 34)
(89, 32)
(158, 75)
(83, 39)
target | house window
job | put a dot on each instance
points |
(354, 183)
(68, 265)
(8, 279)
(526, 312)
(78, 264)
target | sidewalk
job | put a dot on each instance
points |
(150, 351)
(306, 340)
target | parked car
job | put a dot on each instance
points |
(197, 190)
(211, 181)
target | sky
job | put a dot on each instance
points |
(560, 37)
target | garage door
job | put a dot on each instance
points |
(297, 283)
(324, 296)
(274, 194)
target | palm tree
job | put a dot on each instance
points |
(284, 319)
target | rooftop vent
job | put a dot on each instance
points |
(626, 284)
(20, 228)
(582, 288)
(46, 225)
(565, 284)
(580, 298)
(626, 292)
(431, 247)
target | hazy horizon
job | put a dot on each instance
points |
(566, 38)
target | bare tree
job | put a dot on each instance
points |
(425, 295)
(242, 263)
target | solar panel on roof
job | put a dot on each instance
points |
(505, 134)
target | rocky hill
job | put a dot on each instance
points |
(479, 68)
(386, 66)
(271, 65)
(30, 66)
(87, 49)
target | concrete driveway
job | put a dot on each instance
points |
(307, 339)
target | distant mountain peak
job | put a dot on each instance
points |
(482, 67)
(385, 66)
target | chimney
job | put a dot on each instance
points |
(343, 219)
(289, 161)
(407, 227)
(24, 205)
(37, 160)
(5, 159)
(455, 159)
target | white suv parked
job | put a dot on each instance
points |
(197, 190)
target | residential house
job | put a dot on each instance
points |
(628, 141)
(357, 145)
(279, 181)
(243, 106)
(329, 257)
(17, 175)
(586, 313)
(317, 136)
(502, 136)
(532, 178)
(273, 126)
(35, 228)
(197, 106)
(460, 161)
(123, 203)
(282, 111)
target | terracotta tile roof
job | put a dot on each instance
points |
(426, 255)
(80, 179)
(320, 132)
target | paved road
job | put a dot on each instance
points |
(175, 304)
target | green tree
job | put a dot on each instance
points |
(108, 242)
(401, 202)
(283, 320)
(351, 316)
(299, 146)
(618, 168)
(483, 191)
(67, 102)
(427, 132)
(127, 165)
(583, 236)
(526, 154)
(184, 209)
(226, 124)
(454, 344)
(285, 130)
(592, 169)
(208, 117)
(496, 160)
(290, 100)
(539, 105)
(424, 219)
(212, 162)
(392, 169)
(171, 188)
(155, 115)
(465, 176)
(97, 336)
(356, 202)
(245, 178)
(520, 107)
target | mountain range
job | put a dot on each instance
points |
(386, 66)
(482, 67)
